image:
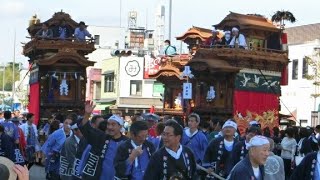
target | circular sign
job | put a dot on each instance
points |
(132, 68)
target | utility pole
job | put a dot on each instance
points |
(170, 18)
(120, 12)
(13, 68)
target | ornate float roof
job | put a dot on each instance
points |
(196, 32)
(252, 21)
(64, 55)
(54, 21)
(171, 66)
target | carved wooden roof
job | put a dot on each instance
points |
(38, 44)
(196, 32)
(246, 22)
(54, 21)
(172, 66)
(231, 59)
(65, 55)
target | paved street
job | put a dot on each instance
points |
(37, 173)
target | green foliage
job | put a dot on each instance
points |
(8, 77)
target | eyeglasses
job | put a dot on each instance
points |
(167, 135)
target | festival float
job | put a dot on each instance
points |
(243, 84)
(57, 70)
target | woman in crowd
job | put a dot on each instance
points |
(288, 146)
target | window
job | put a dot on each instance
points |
(305, 68)
(157, 89)
(97, 39)
(135, 87)
(295, 69)
(109, 82)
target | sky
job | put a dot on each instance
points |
(15, 14)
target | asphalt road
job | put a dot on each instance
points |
(37, 173)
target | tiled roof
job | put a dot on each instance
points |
(302, 34)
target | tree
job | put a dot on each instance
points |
(8, 78)
(314, 62)
(282, 16)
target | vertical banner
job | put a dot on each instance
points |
(34, 101)
(187, 91)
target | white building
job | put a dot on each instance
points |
(296, 97)
(136, 93)
(107, 39)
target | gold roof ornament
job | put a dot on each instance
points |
(34, 20)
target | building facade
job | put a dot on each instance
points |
(297, 97)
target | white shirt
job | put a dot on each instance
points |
(175, 155)
(241, 40)
(289, 144)
(256, 172)
(188, 133)
(136, 163)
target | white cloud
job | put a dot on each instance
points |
(12, 7)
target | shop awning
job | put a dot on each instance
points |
(108, 72)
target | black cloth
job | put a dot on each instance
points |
(306, 147)
(161, 159)
(239, 152)
(218, 157)
(56, 32)
(287, 167)
(97, 139)
(123, 153)
(243, 170)
(7, 147)
(306, 169)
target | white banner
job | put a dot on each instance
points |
(187, 91)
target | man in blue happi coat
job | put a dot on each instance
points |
(194, 138)
(84, 148)
(104, 146)
(133, 155)
(53, 145)
(6, 145)
(9, 128)
(252, 166)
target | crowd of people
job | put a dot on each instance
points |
(232, 39)
(99, 147)
(63, 31)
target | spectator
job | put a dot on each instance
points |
(288, 146)
(44, 32)
(238, 40)
(81, 32)
(168, 49)
(274, 167)
(6, 145)
(62, 31)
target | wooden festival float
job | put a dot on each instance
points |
(57, 70)
(229, 82)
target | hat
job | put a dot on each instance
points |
(230, 123)
(258, 141)
(82, 23)
(6, 170)
(254, 123)
(116, 118)
(235, 29)
(196, 116)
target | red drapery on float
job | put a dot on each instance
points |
(34, 101)
(255, 105)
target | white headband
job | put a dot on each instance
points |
(230, 123)
(235, 29)
(227, 32)
(116, 118)
(258, 141)
(253, 123)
